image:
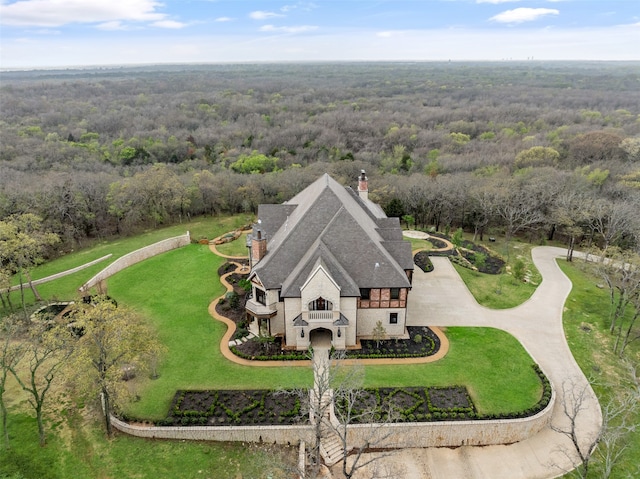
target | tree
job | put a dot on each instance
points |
(113, 338)
(23, 243)
(610, 441)
(620, 269)
(379, 333)
(46, 351)
(537, 156)
(10, 356)
(575, 400)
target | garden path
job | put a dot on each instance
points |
(537, 324)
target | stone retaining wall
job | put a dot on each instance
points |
(451, 433)
(135, 257)
(399, 435)
(266, 434)
(36, 282)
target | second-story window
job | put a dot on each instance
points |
(395, 293)
(365, 293)
(261, 296)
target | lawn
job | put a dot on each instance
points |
(503, 291)
(66, 288)
(237, 247)
(586, 313)
(79, 449)
(421, 244)
(174, 289)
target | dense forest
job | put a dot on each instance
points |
(543, 150)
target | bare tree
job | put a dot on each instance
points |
(575, 403)
(610, 442)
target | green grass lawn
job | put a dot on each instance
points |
(79, 450)
(173, 291)
(236, 247)
(586, 313)
(419, 243)
(490, 363)
(67, 287)
(502, 291)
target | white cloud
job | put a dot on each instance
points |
(389, 33)
(520, 15)
(54, 13)
(293, 29)
(169, 24)
(495, 2)
(261, 15)
(224, 19)
(115, 25)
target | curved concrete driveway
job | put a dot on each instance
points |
(537, 324)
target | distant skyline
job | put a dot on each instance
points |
(61, 33)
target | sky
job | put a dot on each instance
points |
(64, 33)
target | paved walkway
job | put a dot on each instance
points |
(537, 324)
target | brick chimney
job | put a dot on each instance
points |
(363, 186)
(258, 246)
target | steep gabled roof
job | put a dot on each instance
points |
(327, 223)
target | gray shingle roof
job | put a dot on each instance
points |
(328, 224)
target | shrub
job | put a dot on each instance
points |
(417, 338)
(519, 270)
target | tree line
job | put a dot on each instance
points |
(536, 149)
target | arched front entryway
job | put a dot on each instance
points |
(321, 338)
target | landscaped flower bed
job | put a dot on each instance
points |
(285, 407)
(422, 342)
(414, 404)
(422, 261)
(422, 404)
(475, 255)
(234, 407)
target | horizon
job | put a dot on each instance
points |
(44, 34)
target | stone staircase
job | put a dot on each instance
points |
(330, 443)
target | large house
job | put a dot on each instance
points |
(329, 259)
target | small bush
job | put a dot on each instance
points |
(417, 338)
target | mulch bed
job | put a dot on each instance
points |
(493, 264)
(235, 407)
(411, 404)
(422, 342)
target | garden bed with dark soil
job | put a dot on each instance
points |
(232, 305)
(482, 258)
(411, 404)
(234, 407)
(422, 342)
(285, 407)
(267, 349)
(422, 261)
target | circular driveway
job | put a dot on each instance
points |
(537, 324)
